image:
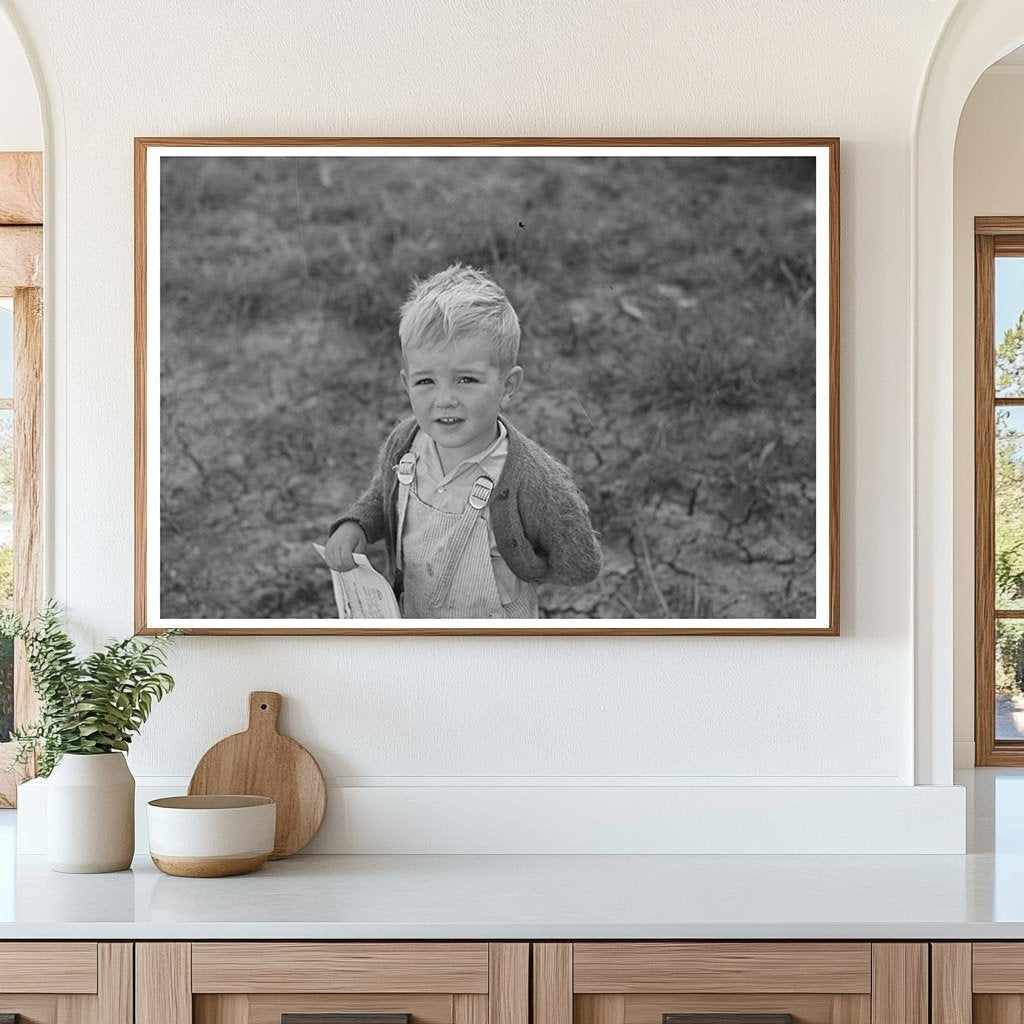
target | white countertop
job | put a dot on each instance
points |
(979, 895)
(517, 897)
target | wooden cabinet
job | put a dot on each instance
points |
(66, 982)
(978, 983)
(512, 983)
(263, 982)
(757, 982)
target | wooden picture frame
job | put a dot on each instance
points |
(207, 199)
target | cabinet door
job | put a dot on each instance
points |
(332, 983)
(66, 982)
(980, 982)
(730, 983)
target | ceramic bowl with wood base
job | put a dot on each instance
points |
(211, 836)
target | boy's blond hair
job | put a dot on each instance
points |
(457, 301)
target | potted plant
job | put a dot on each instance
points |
(89, 709)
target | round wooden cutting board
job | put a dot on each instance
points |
(262, 762)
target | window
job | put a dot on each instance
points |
(20, 430)
(999, 490)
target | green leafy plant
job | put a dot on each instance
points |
(89, 705)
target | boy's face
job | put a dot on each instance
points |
(456, 391)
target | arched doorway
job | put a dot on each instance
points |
(977, 33)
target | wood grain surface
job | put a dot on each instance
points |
(227, 1009)
(552, 983)
(630, 967)
(21, 258)
(989, 1008)
(163, 983)
(951, 983)
(984, 504)
(508, 992)
(76, 1010)
(304, 967)
(599, 1009)
(469, 1008)
(208, 867)
(262, 762)
(21, 188)
(998, 226)
(998, 967)
(65, 967)
(900, 989)
(115, 997)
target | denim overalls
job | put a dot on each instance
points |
(445, 557)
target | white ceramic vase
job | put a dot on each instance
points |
(90, 814)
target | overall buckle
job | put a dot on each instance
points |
(406, 469)
(481, 492)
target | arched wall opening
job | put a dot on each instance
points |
(989, 150)
(976, 35)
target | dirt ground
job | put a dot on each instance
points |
(667, 309)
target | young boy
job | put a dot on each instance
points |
(473, 513)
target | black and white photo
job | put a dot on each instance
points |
(442, 386)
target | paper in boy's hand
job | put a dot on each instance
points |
(362, 593)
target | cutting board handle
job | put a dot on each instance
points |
(264, 710)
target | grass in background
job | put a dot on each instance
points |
(667, 308)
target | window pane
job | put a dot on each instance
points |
(1009, 679)
(1009, 322)
(1009, 508)
(6, 567)
(6, 349)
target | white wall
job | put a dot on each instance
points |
(21, 126)
(433, 716)
(987, 182)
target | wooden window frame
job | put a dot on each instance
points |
(993, 236)
(21, 277)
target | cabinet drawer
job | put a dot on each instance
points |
(998, 967)
(66, 967)
(730, 983)
(774, 982)
(66, 982)
(332, 983)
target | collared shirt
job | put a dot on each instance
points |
(449, 492)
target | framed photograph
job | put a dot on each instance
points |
(496, 386)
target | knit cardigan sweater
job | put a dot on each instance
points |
(541, 523)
